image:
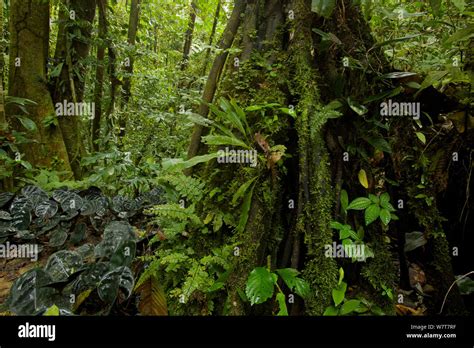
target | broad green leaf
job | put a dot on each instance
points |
(385, 216)
(338, 293)
(460, 4)
(27, 123)
(331, 311)
(323, 7)
(357, 107)
(242, 189)
(413, 84)
(260, 285)
(224, 140)
(374, 198)
(460, 35)
(384, 200)
(216, 286)
(57, 70)
(231, 115)
(371, 214)
(359, 203)
(336, 225)
(363, 178)
(52, 311)
(244, 214)
(344, 233)
(254, 107)
(349, 306)
(302, 288)
(380, 144)
(431, 78)
(389, 42)
(436, 7)
(283, 310)
(344, 200)
(288, 275)
(178, 163)
(241, 115)
(421, 136)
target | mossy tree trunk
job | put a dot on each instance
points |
(29, 38)
(72, 48)
(127, 80)
(188, 36)
(99, 74)
(283, 60)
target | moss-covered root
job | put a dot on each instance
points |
(440, 275)
(314, 176)
(250, 254)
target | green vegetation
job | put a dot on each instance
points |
(197, 157)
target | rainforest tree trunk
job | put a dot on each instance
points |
(308, 74)
(211, 36)
(99, 74)
(127, 80)
(72, 48)
(188, 36)
(29, 30)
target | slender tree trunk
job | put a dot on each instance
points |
(3, 119)
(99, 74)
(127, 80)
(7, 183)
(114, 81)
(29, 39)
(216, 69)
(211, 37)
(72, 48)
(188, 36)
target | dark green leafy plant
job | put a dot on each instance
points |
(261, 285)
(375, 207)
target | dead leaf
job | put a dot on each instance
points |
(262, 142)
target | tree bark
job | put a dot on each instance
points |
(127, 80)
(3, 119)
(29, 40)
(99, 74)
(72, 48)
(211, 36)
(188, 36)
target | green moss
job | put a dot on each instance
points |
(315, 179)
(380, 271)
